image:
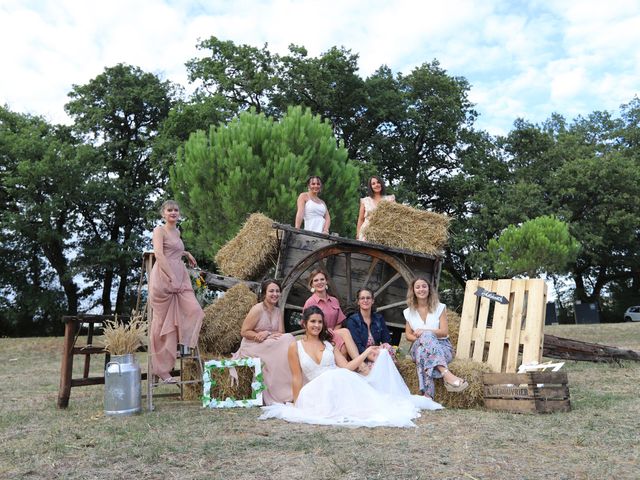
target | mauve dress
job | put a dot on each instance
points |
(274, 355)
(177, 315)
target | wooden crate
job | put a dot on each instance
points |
(494, 333)
(532, 392)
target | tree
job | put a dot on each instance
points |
(540, 245)
(119, 113)
(257, 163)
(41, 176)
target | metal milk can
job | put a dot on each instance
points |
(122, 386)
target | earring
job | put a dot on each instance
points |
(312, 290)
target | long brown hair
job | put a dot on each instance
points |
(432, 298)
(325, 334)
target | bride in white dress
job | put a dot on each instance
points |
(333, 394)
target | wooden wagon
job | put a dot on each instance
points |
(348, 265)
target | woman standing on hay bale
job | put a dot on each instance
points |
(333, 394)
(177, 315)
(312, 209)
(263, 336)
(333, 314)
(427, 328)
(368, 327)
(375, 188)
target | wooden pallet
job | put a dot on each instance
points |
(533, 392)
(493, 333)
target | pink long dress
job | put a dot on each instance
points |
(177, 315)
(273, 353)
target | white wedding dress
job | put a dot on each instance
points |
(338, 396)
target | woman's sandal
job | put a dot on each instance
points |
(459, 386)
(169, 381)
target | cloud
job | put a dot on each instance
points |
(523, 59)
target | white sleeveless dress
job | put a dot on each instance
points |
(314, 216)
(338, 396)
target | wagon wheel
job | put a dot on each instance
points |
(396, 268)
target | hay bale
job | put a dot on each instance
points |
(407, 369)
(401, 226)
(453, 320)
(220, 333)
(471, 371)
(223, 387)
(252, 251)
(473, 396)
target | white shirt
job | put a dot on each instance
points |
(431, 323)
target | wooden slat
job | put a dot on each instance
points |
(391, 305)
(467, 320)
(499, 327)
(513, 336)
(483, 316)
(347, 268)
(534, 325)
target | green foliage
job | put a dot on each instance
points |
(540, 245)
(256, 163)
(40, 179)
(118, 114)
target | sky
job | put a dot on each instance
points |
(522, 59)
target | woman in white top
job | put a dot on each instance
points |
(428, 329)
(327, 391)
(375, 188)
(312, 209)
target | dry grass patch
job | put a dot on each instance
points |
(598, 439)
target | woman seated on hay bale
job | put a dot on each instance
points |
(427, 328)
(327, 391)
(312, 209)
(375, 188)
(367, 326)
(333, 315)
(263, 336)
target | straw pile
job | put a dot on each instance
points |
(220, 333)
(400, 226)
(473, 396)
(407, 370)
(223, 387)
(252, 251)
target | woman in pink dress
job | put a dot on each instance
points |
(375, 188)
(263, 336)
(177, 315)
(333, 314)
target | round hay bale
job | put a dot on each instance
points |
(220, 333)
(473, 396)
(407, 369)
(251, 253)
(401, 226)
(223, 387)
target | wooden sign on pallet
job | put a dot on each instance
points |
(492, 329)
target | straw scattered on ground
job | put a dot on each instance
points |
(220, 333)
(251, 253)
(401, 226)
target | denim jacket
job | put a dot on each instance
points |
(360, 334)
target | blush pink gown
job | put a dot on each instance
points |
(177, 315)
(274, 355)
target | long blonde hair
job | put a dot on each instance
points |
(432, 299)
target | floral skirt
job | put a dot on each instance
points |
(428, 352)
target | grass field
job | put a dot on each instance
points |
(597, 439)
